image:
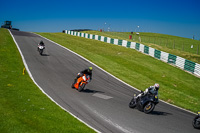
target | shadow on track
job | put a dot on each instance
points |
(44, 55)
(91, 91)
(160, 113)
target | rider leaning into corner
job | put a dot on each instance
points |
(152, 89)
(87, 71)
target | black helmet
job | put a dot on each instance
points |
(41, 42)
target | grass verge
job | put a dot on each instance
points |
(24, 108)
(177, 86)
(171, 44)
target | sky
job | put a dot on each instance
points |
(173, 17)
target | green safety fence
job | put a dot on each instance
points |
(172, 59)
(105, 39)
(99, 38)
(120, 42)
(112, 41)
(137, 47)
(93, 36)
(128, 44)
(189, 66)
(157, 54)
(146, 49)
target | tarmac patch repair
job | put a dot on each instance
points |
(102, 96)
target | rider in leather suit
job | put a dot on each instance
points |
(87, 71)
(152, 89)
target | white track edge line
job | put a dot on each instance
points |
(27, 69)
(109, 73)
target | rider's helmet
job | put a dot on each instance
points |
(157, 86)
(89, 69)
(41, 42)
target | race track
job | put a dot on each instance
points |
(104, 103)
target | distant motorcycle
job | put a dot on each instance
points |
(41, 49)
(81, 82)
(196, 121)
(144, 103)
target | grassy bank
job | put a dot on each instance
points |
(171, 44)
(24, 108)
(139, 70)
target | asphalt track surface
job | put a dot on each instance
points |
(104, 103)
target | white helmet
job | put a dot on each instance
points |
(157, 86)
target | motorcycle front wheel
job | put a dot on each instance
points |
(74, 83)
(81, 87)
(196, 122)
(149, 107)
(41, 51)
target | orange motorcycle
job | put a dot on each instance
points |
(81, 82)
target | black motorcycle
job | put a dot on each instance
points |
(196, 121)
(41, 49)
(145, 103)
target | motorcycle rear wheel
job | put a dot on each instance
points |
(195, 123)
(149, 107)
(132, 104)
